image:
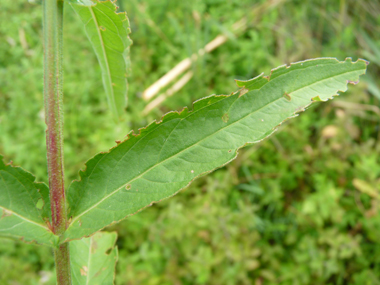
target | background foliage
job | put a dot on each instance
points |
(290, 210)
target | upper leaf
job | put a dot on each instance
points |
(20, 216)
(165, 157)
(93, 259)
(108, 32)
(82, 2)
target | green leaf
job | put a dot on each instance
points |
(108, 32)
(93, 259)
(20, 216)
(82, 2)
(167, 156)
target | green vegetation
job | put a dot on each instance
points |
(292, 210)
(108, 33)
(95, 259)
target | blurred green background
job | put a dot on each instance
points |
(298, 208)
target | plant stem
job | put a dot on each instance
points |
(62, 264)
(53, 95)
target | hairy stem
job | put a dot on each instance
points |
(53, 24)
(62, 264)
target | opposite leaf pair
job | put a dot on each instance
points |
(155, 164)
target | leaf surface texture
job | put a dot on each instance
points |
(93, 259)
(166, 156)
(20, 218)
(108, 33)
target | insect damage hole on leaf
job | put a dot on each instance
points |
(108, 251)
(40, 204)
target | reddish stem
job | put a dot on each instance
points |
(53, 95)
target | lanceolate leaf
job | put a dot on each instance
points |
(20, 218)
(93, 259)
(165, 157)
(108, 32)
(82, 2)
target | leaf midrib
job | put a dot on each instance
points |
(25, 219)
(193, 112)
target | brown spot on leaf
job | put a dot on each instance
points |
(225, 117)
(128, 187)
(100, 272)
(243, 91)
(83, 270)
(94, 246)
(6, 213)
(287, 96)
